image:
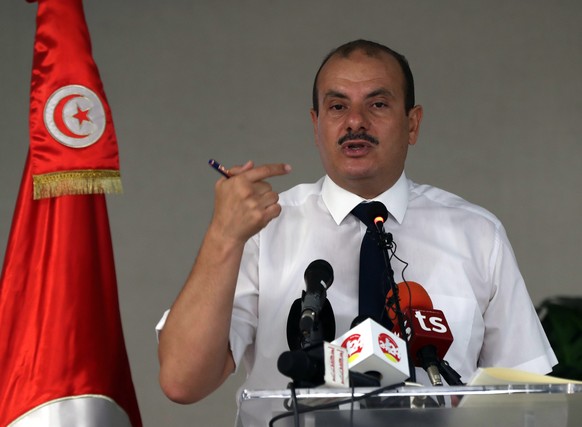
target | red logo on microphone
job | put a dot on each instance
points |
(431, 320)
(354, 346)
(389, 347)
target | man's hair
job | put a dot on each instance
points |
(371, 49)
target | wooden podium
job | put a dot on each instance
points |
(515, 405)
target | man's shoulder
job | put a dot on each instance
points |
(424, 195)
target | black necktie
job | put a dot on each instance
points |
(373, 280)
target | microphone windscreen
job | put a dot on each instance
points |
(318, 271)
(305, 367)
(410, 294)
(377, 209)
(296, 364)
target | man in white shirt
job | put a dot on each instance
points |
(251, 263)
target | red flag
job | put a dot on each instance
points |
(72, 139)
(63, 358)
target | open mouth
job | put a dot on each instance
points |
(354, 146)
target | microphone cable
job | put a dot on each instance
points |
(390, 303)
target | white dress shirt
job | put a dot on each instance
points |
(457, 251)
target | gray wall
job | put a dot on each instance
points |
(191, 80)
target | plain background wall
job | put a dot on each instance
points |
(192, 80)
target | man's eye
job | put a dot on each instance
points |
(336, 107)
(379, 104)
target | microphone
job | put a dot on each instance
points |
(410, 294)
(374, 351)
(318, 278)
(378, 214)
(313, 361)
(320, 364)
(426, 329)
(430, 339)
(311, 319)
(304, 367)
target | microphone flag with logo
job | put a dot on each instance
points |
(63, 358)
(72, 139)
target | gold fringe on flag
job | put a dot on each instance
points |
(76, 182)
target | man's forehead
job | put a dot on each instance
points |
(380, 71)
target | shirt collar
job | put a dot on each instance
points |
(340, 202)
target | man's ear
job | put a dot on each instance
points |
(314, 121)
(414, 119)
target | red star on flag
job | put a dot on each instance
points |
(82, 116)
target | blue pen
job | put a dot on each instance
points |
(221, 169)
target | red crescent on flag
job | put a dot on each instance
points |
(59, 119)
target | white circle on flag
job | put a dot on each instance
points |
(74, 116)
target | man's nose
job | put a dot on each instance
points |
(357, 119)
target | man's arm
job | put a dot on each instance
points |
(193, 351)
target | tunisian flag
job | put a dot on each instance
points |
(63, 361)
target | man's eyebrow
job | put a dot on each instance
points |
(335, 94)
(381, 92)
(378, 92)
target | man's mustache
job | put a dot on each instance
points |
(358, 136)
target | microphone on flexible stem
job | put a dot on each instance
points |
(379, 214)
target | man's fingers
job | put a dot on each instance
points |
(269, 198)
(236, 170)
(266, 171)
(259, 173)
(272, 211)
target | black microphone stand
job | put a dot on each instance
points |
(451, 376)
(437, 368)
(385, 242)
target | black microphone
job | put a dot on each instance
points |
(307, 368)
(318, 278)
(311, 319)
(378, 214)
